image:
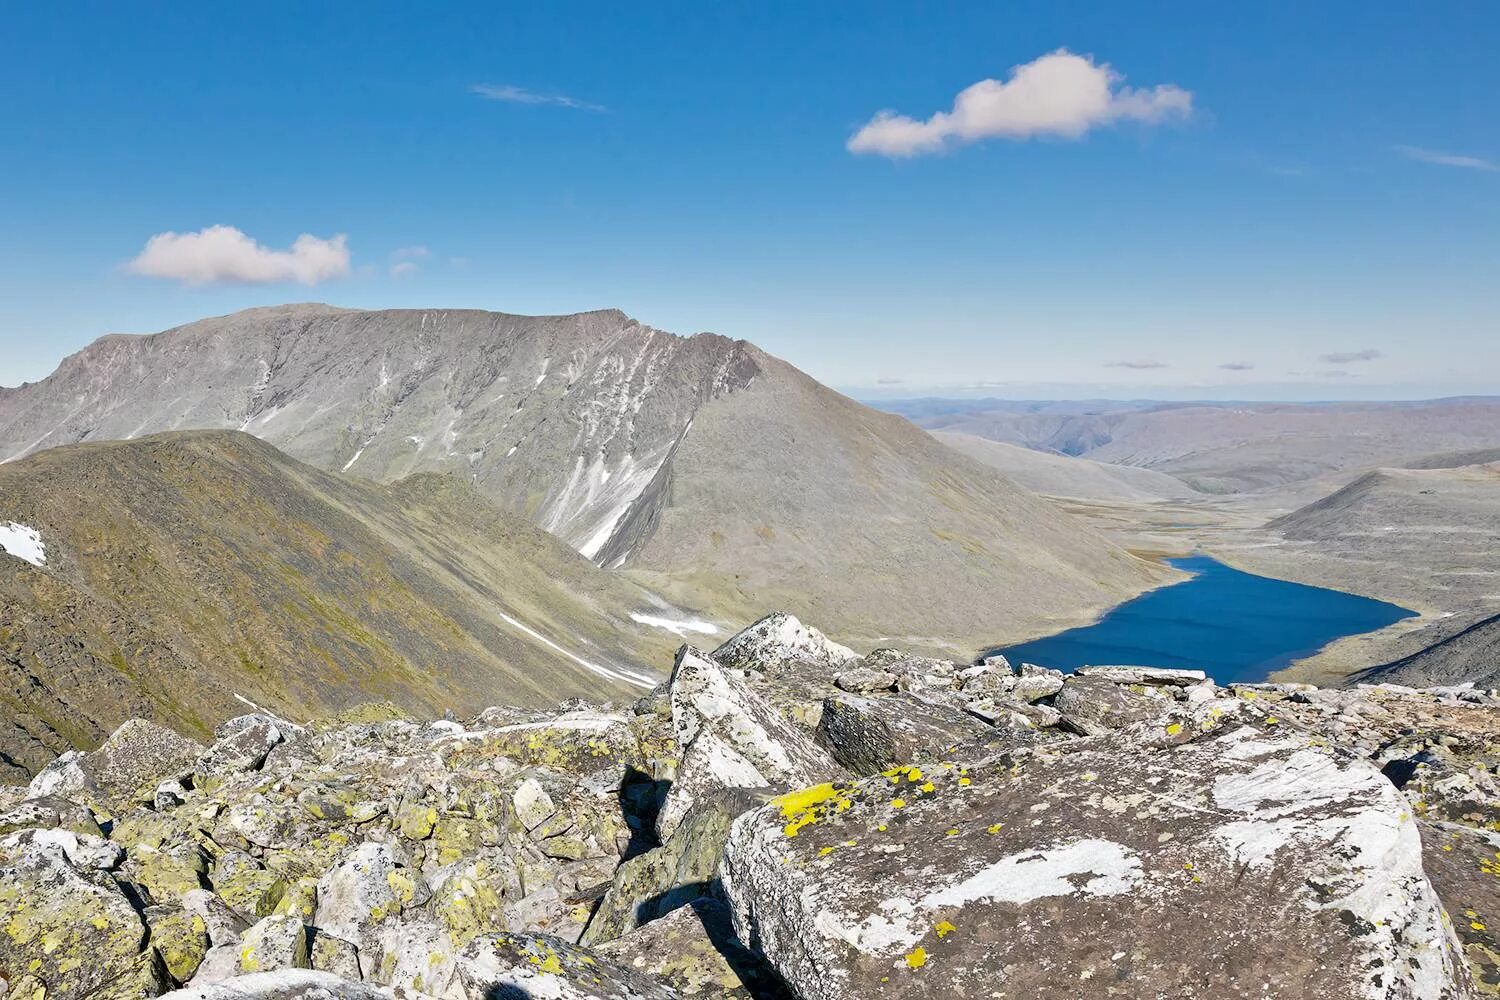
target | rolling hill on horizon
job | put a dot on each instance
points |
(1230, 447)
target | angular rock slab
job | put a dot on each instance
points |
(538, 966)
(731, 738)
(1239, 865)
(283, 984)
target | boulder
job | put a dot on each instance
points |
(66, 777)
(537, 965)
(866, 735)
(80, 849)
(732, 738)
(1293, 870)
(279, 941)
(284, 984)
(180, 937)
(778, 639)
(242, 745)
(532, 804)
(655, 883)
(864, 680)
(694, 951)
(1164, 676)
(371, 886)
(1093, 706)
(137, 757)
(413, 956)
(246, 886)
(48, 812)
(1464, 866)
(72, 930)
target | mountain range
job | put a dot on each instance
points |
(714, 473)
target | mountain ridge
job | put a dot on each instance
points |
(722, 476)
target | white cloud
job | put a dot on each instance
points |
(1447, 159)
(1237, 366)
(1059, 94)
(1137, 365)
(402, 268)
(224, 254)
(520, 95)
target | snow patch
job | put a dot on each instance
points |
(1092, 867)
(23, 542)
(677, 627)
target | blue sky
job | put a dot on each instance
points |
(1315, 184)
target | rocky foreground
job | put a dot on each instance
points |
(782, 819)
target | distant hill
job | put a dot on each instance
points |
(1429, 536)
(1066, 476)
(705, 467)
(184, 572)
(1233, 447)
(1461, 652)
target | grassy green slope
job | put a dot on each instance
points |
(185, 569)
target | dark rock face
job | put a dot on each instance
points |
(867, 735)
(1214, 843)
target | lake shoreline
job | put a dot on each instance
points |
(1236, 626)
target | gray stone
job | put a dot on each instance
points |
(1244, 863)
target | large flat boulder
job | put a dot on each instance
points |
(1242, 864)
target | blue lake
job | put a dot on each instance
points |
(1234, 625)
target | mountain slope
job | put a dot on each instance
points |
(1467, 652)
(1065, 476)
(712, 469)
(185, 571)
(788, 495)
(1429, 537)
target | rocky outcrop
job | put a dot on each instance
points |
(1295, 870)
(885, 825)
(730, 736)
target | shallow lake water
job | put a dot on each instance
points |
(1234, 625)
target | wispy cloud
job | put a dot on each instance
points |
(1448, 159)
(223, 254)
(511, 94)
(406, 261)
(1237, 366)
(889, 381)
(1059, 94)
(1348, 357)
(1137, 365)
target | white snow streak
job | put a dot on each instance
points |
(639, 680)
